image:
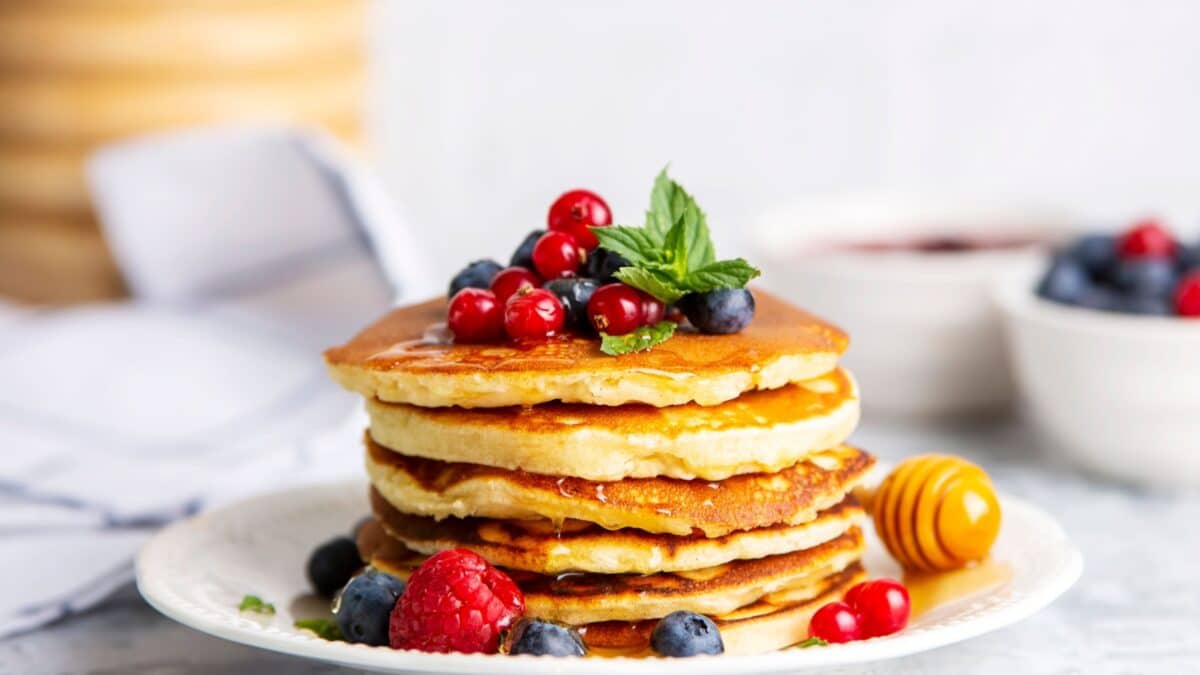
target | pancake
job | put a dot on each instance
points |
(538, 546)
(762, 627)
(792, 496)
(579, 597)
(406, 357)
(758, 432)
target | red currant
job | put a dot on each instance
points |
(653, 310)
(615, 309)
(475, 316)
(512, 279)
(882, 605)
(835, 622)
(1147, 239)
(557, 254)
(1187, 296)
(577, 210)
(533, 313)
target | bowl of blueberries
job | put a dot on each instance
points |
(1105, 346)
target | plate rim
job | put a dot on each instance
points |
(154, 588)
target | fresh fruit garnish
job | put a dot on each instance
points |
(575, 211)
(326, 629)
(512, 279)
(835, 622)
(720, 312)
(523, 256)
(882, 607)
(615, 309)
(332, 564)
(653, 309)
(364, 607)
(1145, 276)
(1187, 296)
(686, 634)
(558, 254)
(1146, 239)
(475, 315)
(1097, 253)
(455, 602)
(602, 264)
(641, 339)
(1066, 281)
(672, 254)
(255, 604)
(538, 637)
(478, 274)
(574, 295)
(533, 313)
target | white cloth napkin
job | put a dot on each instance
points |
(247, 251)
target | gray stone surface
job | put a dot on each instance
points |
(1136, 609)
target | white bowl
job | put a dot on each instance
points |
(925, 335)
(1119, 394)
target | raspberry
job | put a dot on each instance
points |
(455, 602)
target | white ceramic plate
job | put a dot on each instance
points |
(197, 571)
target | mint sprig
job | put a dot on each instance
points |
(253, 603)
(638, 340)
(672, 254)
(812, 642)
(324, 628)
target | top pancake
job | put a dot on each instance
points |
(406, 357)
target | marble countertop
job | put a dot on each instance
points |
(1135, 610)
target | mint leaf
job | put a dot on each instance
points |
(656, 283)
(659, 219)
(812, 642)
(635, 244)
(734, 273)
(324, 628)
(253, 603)
(639, 340)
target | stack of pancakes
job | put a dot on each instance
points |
(708, 474)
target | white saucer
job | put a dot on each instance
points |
(197, 572)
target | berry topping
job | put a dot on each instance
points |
(882, 606)
(686, 634)
(835, 622)
(575, 211)
(1096, 252)
(615, 309)
(475, 315)
(512, 279)
(602, 264)
(523, 256)
(478, 274)
(533, 314)
(574, 295)
(538, 637)
(557, 254)
(363, 609)
(455, 602)
(1147, 277)
(720, 312)
(653, 310)
(1187, 296)
(332, 564)
(1146, 239)
(1066, 281)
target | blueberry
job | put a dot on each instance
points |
(719, 312)
(537, 637)
(1189, 258)
(1098, 297)
(686, 634)
(476, 275)
(364, 607)
(574, 295)
(332, 564)
(1146, 305)
(1147, 277)
(1096, 252)
(523, 256)
(602, 264)
(1066, 281)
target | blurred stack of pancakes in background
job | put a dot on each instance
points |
(709, 474)
(75, 74)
